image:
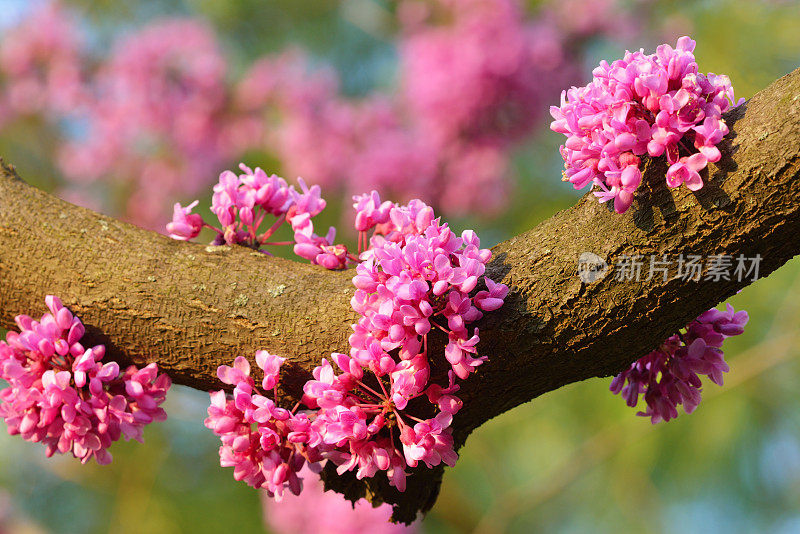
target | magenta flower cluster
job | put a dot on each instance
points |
(670, 375)
(656, 104)
(415, 275)
(62, 395)
(241, 203)
(265, 444)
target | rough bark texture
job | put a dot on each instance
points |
(192, 307)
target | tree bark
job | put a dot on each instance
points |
(192, 307)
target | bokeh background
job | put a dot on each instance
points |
(127, 107)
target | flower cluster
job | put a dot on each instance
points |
(241, 203)
(62, 395)
(415, 271)
(670, 375)
(265, 444)
(414, 276)
(643, 104)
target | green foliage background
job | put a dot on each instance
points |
(575, 460)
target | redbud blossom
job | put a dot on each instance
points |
(643, 104)
(242, 203)
(415, 275)
(61, 394)
(670, 375)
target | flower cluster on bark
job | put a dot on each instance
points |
(62, 395)
(379, 412)
(669, 376)
(657, 104)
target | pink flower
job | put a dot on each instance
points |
(185, 225)
(458, 352)
(687, 171)
(62, 395)
(370, 211)
(240, 372)
(265, 444)
(708, 135)
(409, 379)
(670, 375)
(269, 192)
(309, 201)
(241, 204)
(429, 443)
(641, 104)
(318, 250)
(271, 365)
(493, 298)
(325, 391)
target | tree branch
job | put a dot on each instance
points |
(193, 307)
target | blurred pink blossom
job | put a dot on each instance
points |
(316, 510)
(153, 117)
(41, 64)
(160, 116)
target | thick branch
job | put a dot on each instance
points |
(192, 307)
